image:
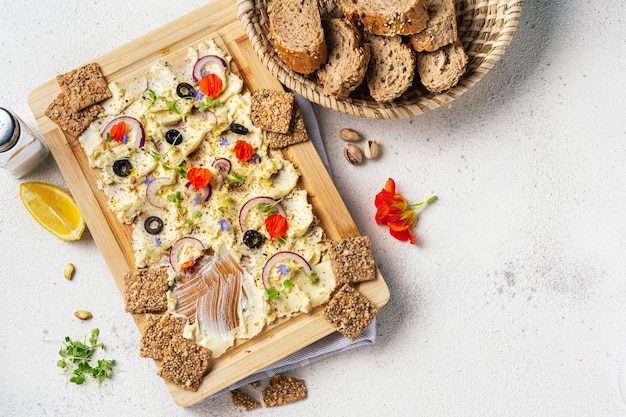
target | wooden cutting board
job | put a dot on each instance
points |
(127, 62)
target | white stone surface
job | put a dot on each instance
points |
(512, 304)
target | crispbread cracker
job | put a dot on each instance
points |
(272, 110)
(350, 312)
(352, 260)
(157, 333)
(145, 290)
(283, 389)
(84, 86)
(185, 363)
(242, 399)
(72, 122)
(297, 132)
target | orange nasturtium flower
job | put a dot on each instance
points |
(211, 85)
(199, 177)
(276, 225)
(243, 151)
(118, 131)
(396, 213)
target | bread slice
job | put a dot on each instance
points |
(387, 18)
(391, 68)
(441, 29)
(297, 34)
(443, 68)
(347, 58)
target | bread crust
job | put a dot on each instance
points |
(442, 69)
(412, 19)
(441, 29)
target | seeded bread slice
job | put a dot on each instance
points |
(297, 34)
(442, 69)
(387, 18)
(441, 29)
(391, 68)
(348, 58)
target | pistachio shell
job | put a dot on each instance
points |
(353, 154)
(349, 135)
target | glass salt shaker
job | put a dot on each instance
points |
(21, 150)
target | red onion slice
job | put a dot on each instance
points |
(133, 123)
(175, 249)
(283, 256)
(200, 63)
(152, 189)
(222, 165)
(253, 202)
(202, 194)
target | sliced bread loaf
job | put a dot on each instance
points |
(348, 58)
(441, 28)
(442, 69)
(297, 34)
(391, 68)
(387, 18)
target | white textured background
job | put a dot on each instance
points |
(511, 305)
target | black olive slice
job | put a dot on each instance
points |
(238, 129)
(185, 90)
(153, 225)
(252, 239)
(122, 167)
(174, 137)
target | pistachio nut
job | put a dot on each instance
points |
(350, 135)
(83, 314)
(68, 271)
(370, 149)
(353, 154)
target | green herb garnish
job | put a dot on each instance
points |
(287, 283)
(272, 293)
(76, 357)
(175, 198)
(313, 278)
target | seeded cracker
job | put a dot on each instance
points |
(352, 260)
(272, 110)
(145, 290)
(297, 132)
(283, 389)
(350, 312)
(185, 363)
(84, 86)
(72, 122)
(157, 333)
(242, 399)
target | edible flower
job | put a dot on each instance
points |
(186, 265)
(211, 85)
(199, 177)
(282, 269)
(396, 213)
(276, 225)
(224, 225)
(243, 151)
(118, 131)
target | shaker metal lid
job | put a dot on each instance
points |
(9, 130)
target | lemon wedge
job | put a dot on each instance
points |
(53, 208)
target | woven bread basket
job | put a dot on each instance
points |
(485, 28)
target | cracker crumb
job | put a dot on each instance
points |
(283, 389)
(72, 122)
(157, 333)
(352, 260)
(145, 290)
(242, 399)
(84, 86)
(350, 312)
(272, 110)
(185, 363)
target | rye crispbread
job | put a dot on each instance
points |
(350, 312)
(71, 121)
(272, 110)
(84, 86)
(283, 389)
(352, 260)
(297, 132)
(157, 333)
(243, 399)
(185, 363)
(145, 290)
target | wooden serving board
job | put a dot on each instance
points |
(124, 64)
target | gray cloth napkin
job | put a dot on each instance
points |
(333, 343)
